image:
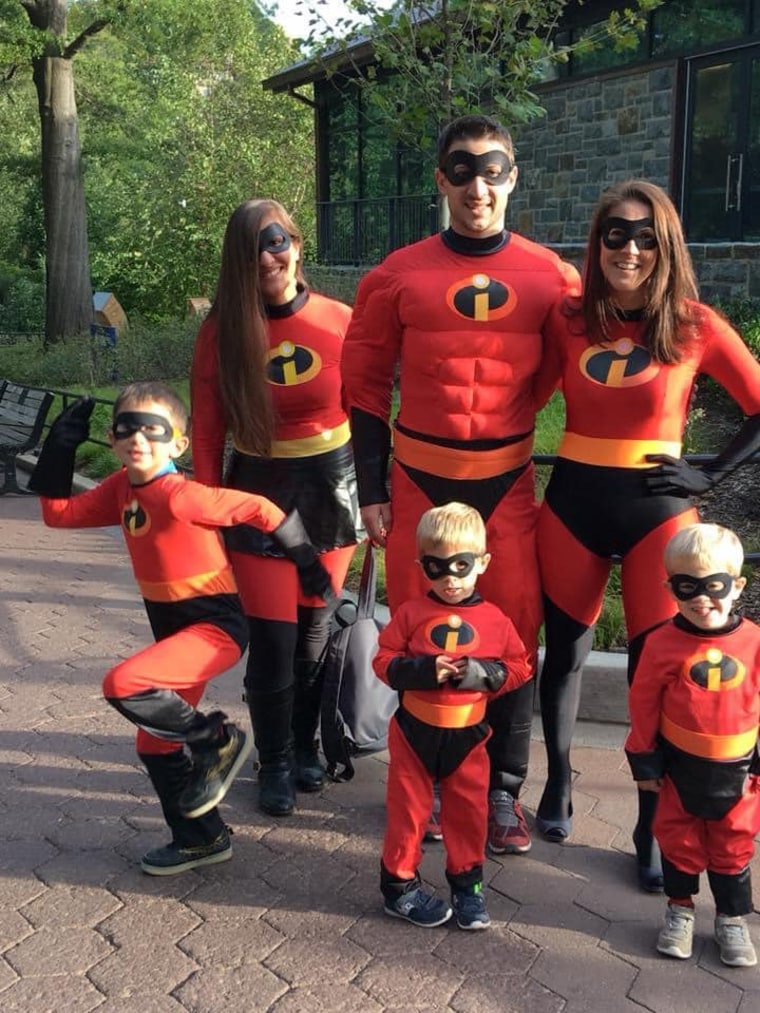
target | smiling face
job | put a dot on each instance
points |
(710, 602)
(477, 206)
(279, 255)
(628, 268)
(145, 439)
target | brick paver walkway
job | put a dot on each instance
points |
(293, 923)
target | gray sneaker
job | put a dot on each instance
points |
(419, 908)
(675, 939)
(734, 943)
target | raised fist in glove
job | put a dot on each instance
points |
(54, 472)
(295, 543)
(676, 477)
(72, 426)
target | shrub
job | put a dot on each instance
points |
(744, 314)
(22, 300)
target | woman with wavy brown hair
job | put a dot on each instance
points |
(626, 354)
(266, 373)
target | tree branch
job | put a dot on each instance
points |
(76, 44)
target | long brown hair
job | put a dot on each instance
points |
(242, 338)
(668, 318)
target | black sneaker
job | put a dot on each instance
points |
(419, 908)
(214, 771)
(172, 858)
(470, 908)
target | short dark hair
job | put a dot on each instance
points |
(148, 390)
(471, 128)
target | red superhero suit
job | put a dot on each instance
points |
(186, 581)
(464, 319)
(695, 712)
(439, 731)
(310, 469)
(621, 405)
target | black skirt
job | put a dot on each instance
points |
(321, 487)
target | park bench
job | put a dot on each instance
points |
(23, 411)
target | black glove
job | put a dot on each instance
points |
(483, 675)
(676, 477)
(292, 538)
(53, 474)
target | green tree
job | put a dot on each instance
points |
(176, 131)
(457, 56)
(179, 131)
(43, 42)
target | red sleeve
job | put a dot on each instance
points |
(209, 422)
(96, 508)
(213, 507)
(549, 374)
(393, 642)
(372, 345)
(515, 659)
(728, 360)
(645, 701)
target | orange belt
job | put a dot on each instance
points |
(215, 582)
(709, 747)
(452, 462)
(615, 453)
(444, 715)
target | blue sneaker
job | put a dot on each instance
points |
(470, 908)
(419, 908)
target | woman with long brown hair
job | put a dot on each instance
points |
(266, 373)
(627, 354)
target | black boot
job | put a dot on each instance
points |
(277, 795)
(269, 694)
(271, 716)
(568, 644)
(647, 848)
(309, 772)
(195, 842)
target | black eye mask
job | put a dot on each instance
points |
(618, 232)
(273, 239)
(716, 585)
(155, 428)
(461, 167)
(459, 565)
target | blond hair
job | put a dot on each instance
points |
(452, 524)
(707, 546)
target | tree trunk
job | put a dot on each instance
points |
(68, 309)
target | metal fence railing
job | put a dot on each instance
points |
(68, 396)
(364, 231)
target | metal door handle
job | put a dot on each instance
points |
(739, 174)
(734, 182)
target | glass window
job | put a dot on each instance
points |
(378, 163)
(752, 199)
(415, 171)
(605, 56)
(685, 25)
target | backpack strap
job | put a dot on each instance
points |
(335, 746)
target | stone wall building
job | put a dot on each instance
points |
(683, 112)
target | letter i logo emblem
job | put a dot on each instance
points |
(452, 635)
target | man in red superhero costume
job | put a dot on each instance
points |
(170, 526)
(695, 712)
(462, 315)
